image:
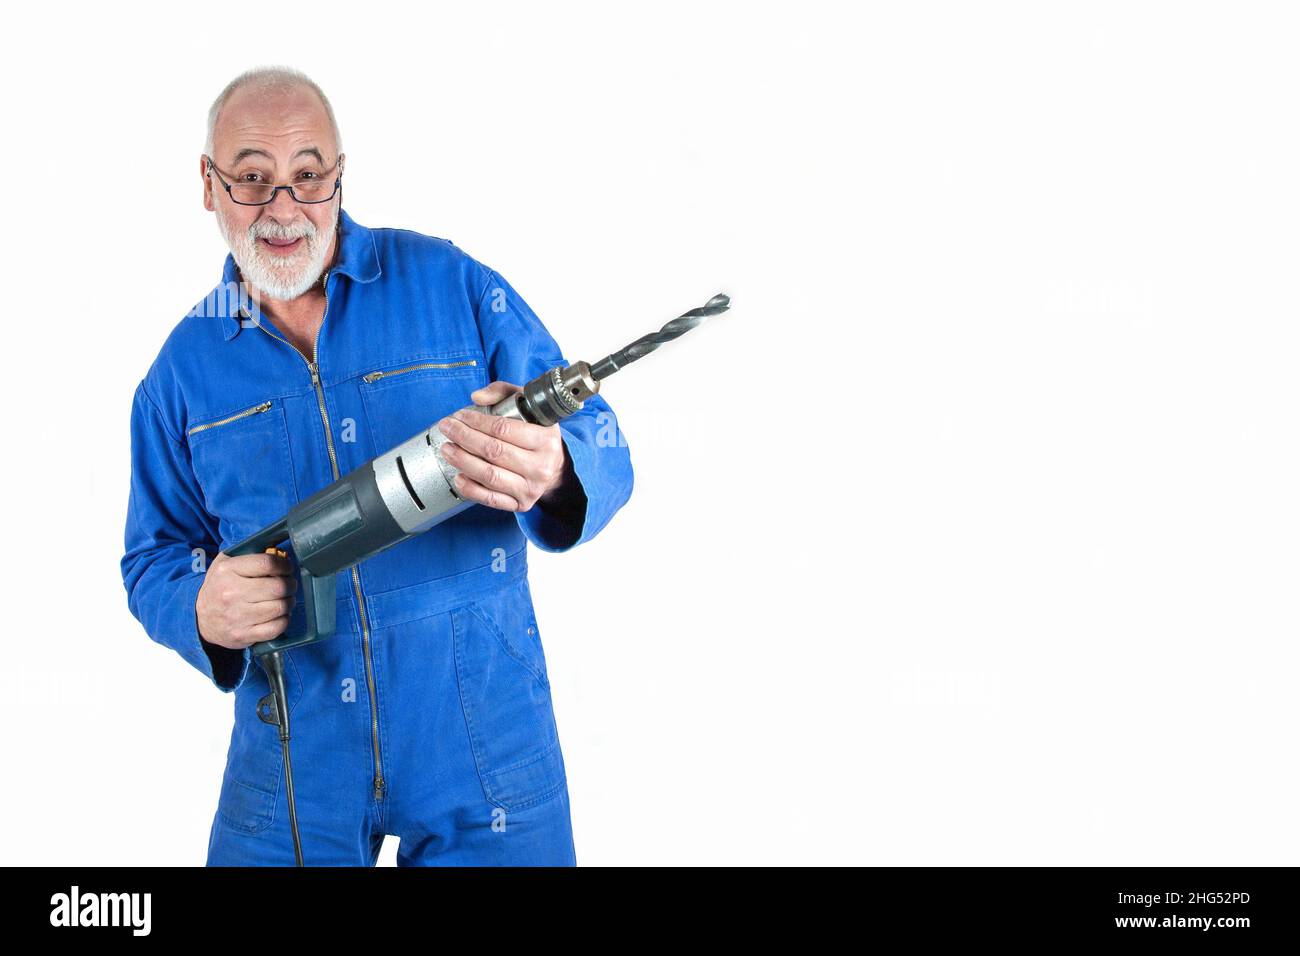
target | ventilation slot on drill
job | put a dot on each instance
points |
(410, 489)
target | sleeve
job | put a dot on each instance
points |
(598, 465)
(166, 524)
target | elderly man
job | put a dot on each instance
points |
(428, 715)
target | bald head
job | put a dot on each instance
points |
(270, 99)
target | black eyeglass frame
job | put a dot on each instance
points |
(275, 190)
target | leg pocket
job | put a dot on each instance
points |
(255, 764)
(506, 699)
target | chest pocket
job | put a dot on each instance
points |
(405, 399)
(241, 460)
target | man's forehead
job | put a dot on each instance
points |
(288, 123)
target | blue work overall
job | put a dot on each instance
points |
(428, 714)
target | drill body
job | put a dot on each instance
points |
(394, 496)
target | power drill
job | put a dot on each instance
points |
(401, 493)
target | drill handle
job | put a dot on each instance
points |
(318, 593)
(319, 596)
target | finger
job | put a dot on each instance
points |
(493, 393)
(263, 611)
(511, 430)
(471, 489)
(271, 588)
(260, 565)
(491, 476)
(490, 448)
(265, 632)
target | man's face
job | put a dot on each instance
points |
(281, 248)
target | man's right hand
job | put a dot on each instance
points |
(246, 599)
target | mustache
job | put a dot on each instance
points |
(274, 230)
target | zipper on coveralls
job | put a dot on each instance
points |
(378, 780)
(371, 377)
(255, 410)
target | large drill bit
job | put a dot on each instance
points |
(648, 343)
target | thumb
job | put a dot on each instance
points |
(491, 394)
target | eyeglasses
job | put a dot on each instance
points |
(259, 194)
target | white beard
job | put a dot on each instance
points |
(278, 277)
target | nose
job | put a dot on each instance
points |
(283, 209)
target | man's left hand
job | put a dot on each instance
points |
(503, 463)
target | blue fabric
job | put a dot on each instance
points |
(428, 715)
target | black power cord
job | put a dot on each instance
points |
(274, 709)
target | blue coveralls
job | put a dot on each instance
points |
(428, 715)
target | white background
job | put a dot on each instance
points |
(967, 537)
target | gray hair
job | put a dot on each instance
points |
(268, 79)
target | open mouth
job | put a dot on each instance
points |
(281, 246)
